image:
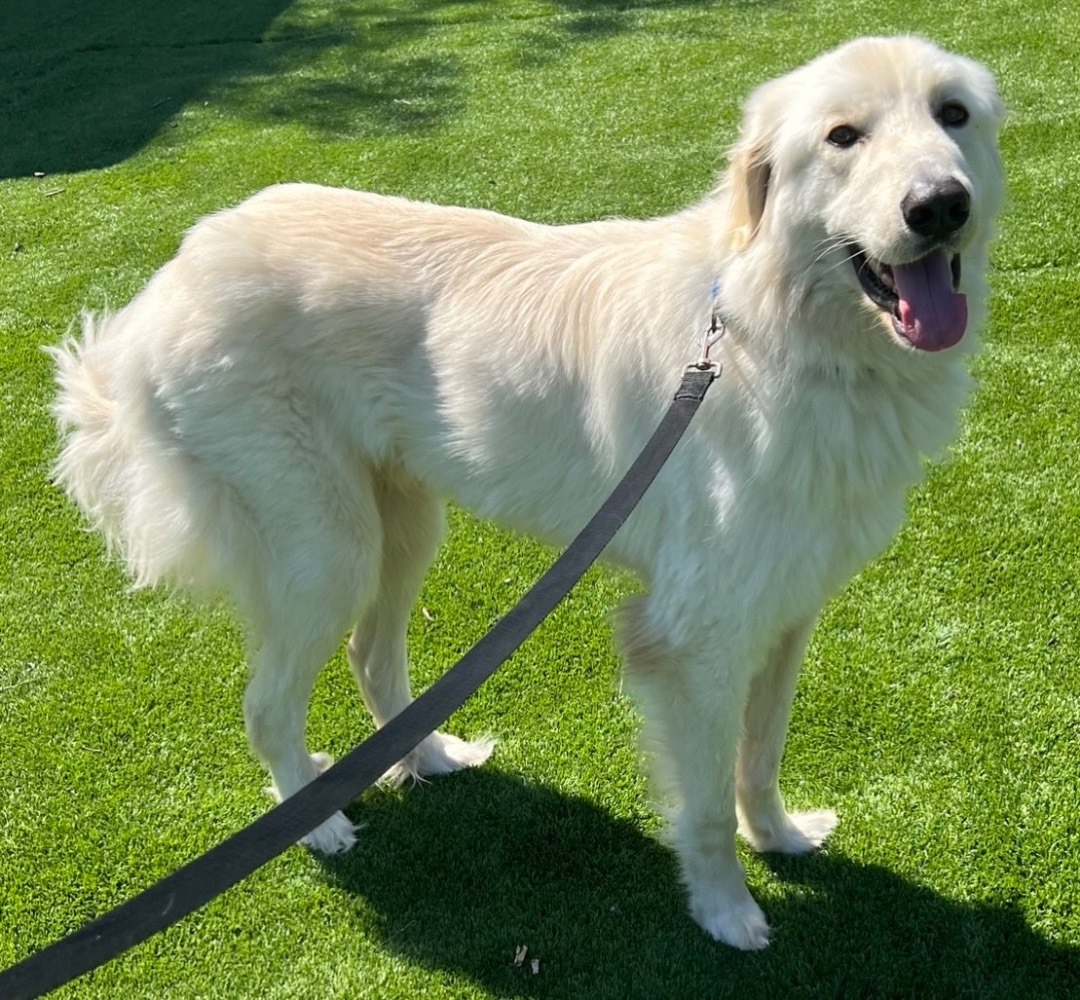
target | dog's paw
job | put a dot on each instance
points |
(814, 827)
(739, 923)
(336, 835)
(796, 833)
(439, 753)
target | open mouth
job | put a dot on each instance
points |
(920, 297)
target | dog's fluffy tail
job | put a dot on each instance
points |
(91, 460)
(123, 486)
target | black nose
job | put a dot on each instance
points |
(939, 212)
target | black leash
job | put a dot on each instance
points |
(220, 868)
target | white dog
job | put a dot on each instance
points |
(281, 411)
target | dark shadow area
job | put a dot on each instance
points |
(461, 871)
(592, 17)
(87, 83)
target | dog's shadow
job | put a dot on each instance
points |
(462, 871)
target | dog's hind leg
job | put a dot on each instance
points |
(412, 521)
(305, 587)
(764, 820)
(275, 710)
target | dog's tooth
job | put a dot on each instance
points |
(883, 272)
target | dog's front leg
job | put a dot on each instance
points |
(764, 820)
(693, 708)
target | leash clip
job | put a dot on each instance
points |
(714, 332)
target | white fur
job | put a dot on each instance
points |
(280, 411)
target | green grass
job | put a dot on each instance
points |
(939, 711)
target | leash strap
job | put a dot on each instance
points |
(220, 868)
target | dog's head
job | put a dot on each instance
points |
(873, 174)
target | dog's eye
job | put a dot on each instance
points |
(844, 136)
(953, 114)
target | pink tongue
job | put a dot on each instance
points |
(932, 316)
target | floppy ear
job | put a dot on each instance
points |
(748, 186)
(750, 167)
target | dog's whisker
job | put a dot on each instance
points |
(830, 245)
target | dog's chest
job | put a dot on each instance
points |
(825, 489)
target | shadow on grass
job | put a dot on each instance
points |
(590, 18)
(462, 871)
(87, 83)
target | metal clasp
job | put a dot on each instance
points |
(712, 335)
